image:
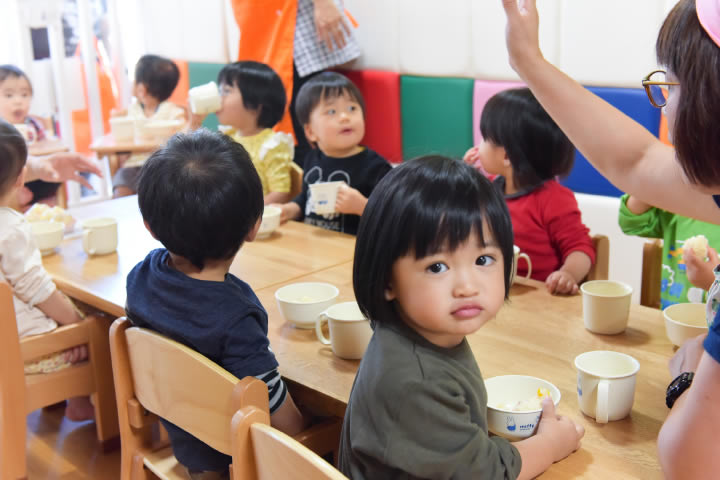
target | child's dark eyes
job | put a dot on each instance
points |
(437, 267)
(330, 111)
(484, 261)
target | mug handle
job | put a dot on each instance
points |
(529, 263)
(86, 241)
(322, 318)
(603, 398)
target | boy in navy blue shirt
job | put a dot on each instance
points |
(201, 197)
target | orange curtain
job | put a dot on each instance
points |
(267, 33)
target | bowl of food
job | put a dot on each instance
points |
(270, 221)
(515, 404)
(44, 213)
(47, 235)
(302, 303)
(684, 321)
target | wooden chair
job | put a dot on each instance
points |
(296, 178)
(261, 452)
(599, 271)
(158, 377)
(21, 394)
(651, 273)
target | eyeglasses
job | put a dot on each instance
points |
(656, 87)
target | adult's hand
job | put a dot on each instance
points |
(61, 167)
(521, 33)
(330, 24)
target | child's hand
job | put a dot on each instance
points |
(350, 201)
(699, 272)
(76, 354)
(288, 211)
(561, 282)
(562, 434)
(196, 121)
(472, 156)
(687, 358)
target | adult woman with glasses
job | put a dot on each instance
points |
(684, 180)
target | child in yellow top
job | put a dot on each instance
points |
(253, 101)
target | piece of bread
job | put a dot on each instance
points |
(699, 246)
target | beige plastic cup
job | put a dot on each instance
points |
(100, 236)
(204, 99)
(606, 306)
(47, 235)
(517, 255)
(28, 133)
(123, 129)
(323, 195)
(606, 384)
(684, 321)
(350, 331)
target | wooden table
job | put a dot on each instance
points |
(534, 334)
(294, 250)
(47, 147)
(107, 146)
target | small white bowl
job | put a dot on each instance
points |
(302, 303)
(510, 389)
(684, 321)
(270, 221)
(47, 235)
(160, 130)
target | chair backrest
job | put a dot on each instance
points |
(12, 394)
(296, 178)
(651, 273)
(185, 388)
(261, 452)
(599, 270)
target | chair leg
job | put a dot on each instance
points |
(106, 413)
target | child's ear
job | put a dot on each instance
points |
(21, 178)
(147, 227)
(309, 134)
(389, 293)
(251, 236)
(506, 159)
(140, 91)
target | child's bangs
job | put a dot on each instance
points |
(337, 91)
(448, 232)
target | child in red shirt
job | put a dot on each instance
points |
(525, 151)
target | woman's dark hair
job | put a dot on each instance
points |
(536, 147)
(13, 71)
(260, 87)
(419, 208)
(201, 196)
(160, 75)
(687, 51)
(13, 155)
(324, 86)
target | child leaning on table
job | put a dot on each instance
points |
(526, 150)
(253, 102)
(39, 306)
(432, 264)
(331, 109)
(155, 80)
(201, 197)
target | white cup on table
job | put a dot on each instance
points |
(517, 256)
(350, 331)
(606, 306)
(100, 236)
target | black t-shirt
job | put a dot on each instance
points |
(361, 171)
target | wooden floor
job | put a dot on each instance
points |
(61, 449)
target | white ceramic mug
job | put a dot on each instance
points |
(606, 306)
(350, 331)
(323, 196)
(204, 99)
(606, 384)
(100, 236)
(28, 133)
(516, 257)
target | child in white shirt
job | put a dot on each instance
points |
(39, 306)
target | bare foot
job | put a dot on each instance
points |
(79, 409)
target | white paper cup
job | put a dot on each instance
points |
(350, 331)
(684, 321)
(323, 196)
(606, 384)
(606, 306)
(270, 221)
(517, 256)
(123, 129)
(100, 236)
(204, 99)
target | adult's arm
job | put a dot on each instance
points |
(330, 24)
(620, 148)
(60, 167)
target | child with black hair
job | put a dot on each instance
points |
(16, 94)
(201, 197)
(332, 112)
(433, 260)
(155, 80)
(39, 305)
(253, 102)
(525, 150)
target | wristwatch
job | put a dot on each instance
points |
(677, 387)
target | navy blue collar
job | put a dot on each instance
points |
(717, 200)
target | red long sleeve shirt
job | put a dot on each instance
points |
(548, 227)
